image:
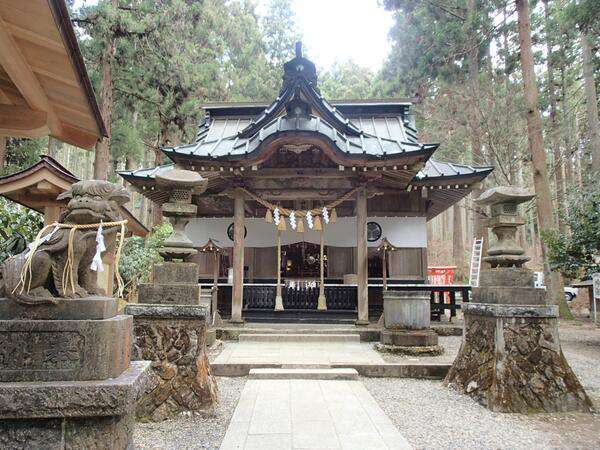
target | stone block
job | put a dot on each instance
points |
(175, 272)
(409, 338)
(173, 338)
(60, 350)
(506, 276)
(509, 295)
(162, 312)
(71, 415)
(92, 308)
(171, 294)
(52, 399)
(406, 310)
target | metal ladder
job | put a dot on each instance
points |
(475, 262)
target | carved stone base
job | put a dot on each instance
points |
(173, 338)
(511, 361)
(64, 350)
(71, 414)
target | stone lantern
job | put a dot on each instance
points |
(504, 220)
(169, 313)
(180, 184)
(510, 359)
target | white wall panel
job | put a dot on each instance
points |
(400, 231)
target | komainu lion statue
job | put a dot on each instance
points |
(90, 202)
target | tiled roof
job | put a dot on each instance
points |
(220, 142)
(438, 169)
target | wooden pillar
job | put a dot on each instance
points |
(361, 257)
(238, 257)
(51, 214)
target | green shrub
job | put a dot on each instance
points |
(18, 227)
(138, 255)
(577, 253)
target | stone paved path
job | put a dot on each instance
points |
(298, 414)
(297, 353)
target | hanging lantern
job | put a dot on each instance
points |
(276, 217)
(293, 220)
(325, 215)
(333, 216)
(269, 216)
(309, 220)
(318, 225)
(281, 224)
(300, 226)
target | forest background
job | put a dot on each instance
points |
(153, 63)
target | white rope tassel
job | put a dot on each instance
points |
(309, 219)
(325, 214)
(276, 216)
(97, 264)
(293, 220)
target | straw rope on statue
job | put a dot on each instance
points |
(24, 284)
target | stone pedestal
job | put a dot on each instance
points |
(173, 338)
(407, 324)
(174, 283)
(65, 378)
(511, 360)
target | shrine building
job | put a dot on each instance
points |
(302, 193)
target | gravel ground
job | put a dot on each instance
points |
(426, 413)
(198, 431)
(432, 416)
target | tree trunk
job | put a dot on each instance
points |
(478, 216)
(458, 244)
(2, 153)
(554, 129)
(538, 155)
(54, 145)
(591, 106)
(101, 157)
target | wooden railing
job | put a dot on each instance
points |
(340, 297)
(262, 296)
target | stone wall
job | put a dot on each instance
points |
(181, 379)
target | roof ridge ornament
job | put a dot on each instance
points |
(298, 49)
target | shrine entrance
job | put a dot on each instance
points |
(300, 261)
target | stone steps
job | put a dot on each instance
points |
(304, 374)
(299, 337)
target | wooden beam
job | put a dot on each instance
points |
(18, 69)
(21, 121)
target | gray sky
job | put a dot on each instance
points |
(338, 30)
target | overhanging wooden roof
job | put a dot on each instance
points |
(44, 86)
(38, 186)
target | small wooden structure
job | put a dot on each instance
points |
(44, 87)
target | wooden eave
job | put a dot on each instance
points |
(44, 87)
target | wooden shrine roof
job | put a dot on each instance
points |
(302, 147)
(38, 186)
(44, 86)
